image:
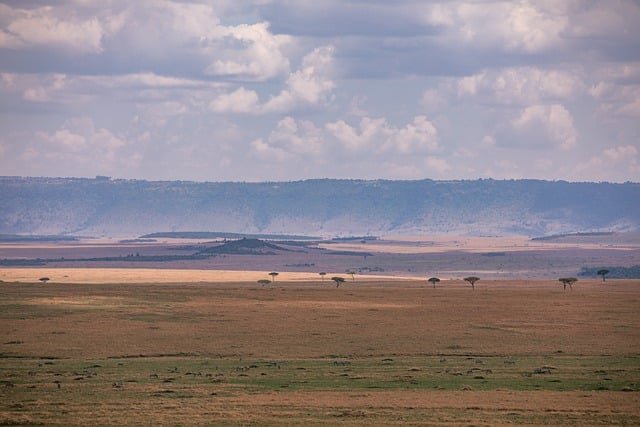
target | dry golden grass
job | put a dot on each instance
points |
(392, 333)
(153, 275)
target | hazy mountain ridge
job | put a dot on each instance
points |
(315, 207)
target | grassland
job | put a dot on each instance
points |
(203, 351)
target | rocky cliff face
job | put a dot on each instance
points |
(315, 207)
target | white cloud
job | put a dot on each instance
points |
(402, 152)
(437, 165)
(554, 120)
(299, 137)
(617, 99)
(44, 92)
(625, 152)
(417, 137)
(378, 136)
(510, 26)
(146, 80)
(521, 85)
(266, 151)
(41, 27)
(311, 85)
(613, 163)
(239, 101)
(78, 140)
(257, 57)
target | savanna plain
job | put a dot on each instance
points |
(109, 345)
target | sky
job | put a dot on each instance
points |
(282, 90)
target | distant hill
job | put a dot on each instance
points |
(244, 247)
(323, 207)
(220, 235)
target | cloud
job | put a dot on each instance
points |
(509, 26)
(625, 152)
(91, 150)
(339, 18)
(250, 53)
(407, 151)
(45, 92)
(373, 136)
(404, 89)
(79, 135)
(617, 99)
(613, 163)
(521, 85)
(535, 27)
(309, 86)
(239, 101)
(553, 122)
(299, 137)
(46, 27)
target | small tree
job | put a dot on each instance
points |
(567, 281)
(338, 280)
(472, 280)
(264, 281)
(44, 279)
(433, 280)
(273, 275)
(352, 274)
(322, 274)
(603, 273)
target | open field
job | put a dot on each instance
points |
(149, 275)
(372, 352)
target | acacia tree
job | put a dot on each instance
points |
(603, 273)
(352, 274)
(433, 280)
(472, 280)
(338, 280)
(567, 281)
(273, 275)
(264, 281)
(322, 274)
(44, 279)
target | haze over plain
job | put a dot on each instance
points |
(280, 90)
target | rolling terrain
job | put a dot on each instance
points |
(444, 256)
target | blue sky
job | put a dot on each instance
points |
(277, 90)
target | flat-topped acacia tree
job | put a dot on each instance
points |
(472, 280)
(273, 275)
(567, 281)
(264, 281)
(322, 274)
(603, 273)
(338, 280)
(433, 280)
